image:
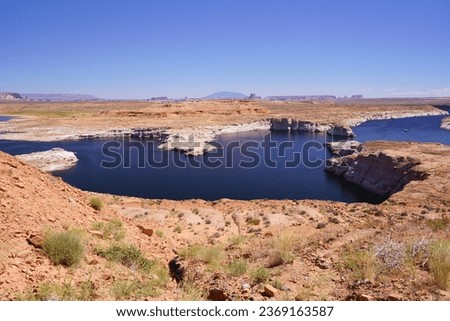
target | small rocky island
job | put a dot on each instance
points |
(56, 159)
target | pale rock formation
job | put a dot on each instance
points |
(344, 148)
(56, 159)
(342, 131)
(446, 123)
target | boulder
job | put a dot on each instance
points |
(35, 240)
(269, 291)
(147, 231)
(216, 294)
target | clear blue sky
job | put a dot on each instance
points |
(177, 48)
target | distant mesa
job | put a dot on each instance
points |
(10, 96)
(59, 97)
(226, 95)
(301, 98)
(254, 97)
(162, 98)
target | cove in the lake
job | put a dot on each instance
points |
(5, 118)
(262, 180)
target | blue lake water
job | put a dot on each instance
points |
(421, 129)
(5, 118)
(250, 170)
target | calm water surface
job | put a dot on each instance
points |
(230, 180)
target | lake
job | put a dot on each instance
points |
(250, 165)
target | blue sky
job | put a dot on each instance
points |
(178, 48)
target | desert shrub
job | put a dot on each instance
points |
(64, 248)
(278, 284)
(177, 229)
(253, 220)
(159, 233)
(282, 248)
(49, 291)
(439, 223)
(134, 289)
(191, 291)
(392, 254)
(260, 275)
(236, 240)
(361, 263)
(439, 262)
(96, 203)
(237, 267)
(210, 255)
(111, 229)
(128, 255)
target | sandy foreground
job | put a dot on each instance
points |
(226, 249)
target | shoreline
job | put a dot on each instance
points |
(205, 133)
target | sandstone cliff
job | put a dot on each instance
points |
(386, 168)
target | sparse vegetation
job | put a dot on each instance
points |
(128, 255)
(260, 275)
(50, 291)
(112, 229)
(63, 248)
(210, 255)
(439, 224)
(96, 203)
(159, 233)
(134, 289)
(361, 263)
(177, 229)
(191, 292)
(283, 246)
(237, 267)
(236, 240)
(253, 220)
(277, 284)
(392, 254)
(439, 263)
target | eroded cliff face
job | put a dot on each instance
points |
(446, 123)
(377, 172)
(289, 124)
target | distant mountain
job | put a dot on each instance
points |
(226, 95)
(10, 96)
(59, 97)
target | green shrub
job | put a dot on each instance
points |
(361, 263)
(112, 229)
(236, 240)
(260, 275)
(96, 203)
(237, 267)
(283, 246)
(209, 255)
(60, 292)
(64, 248)
(128, 255)
(191, 291)
(439, 263)
(134, 289)
(439, 224)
